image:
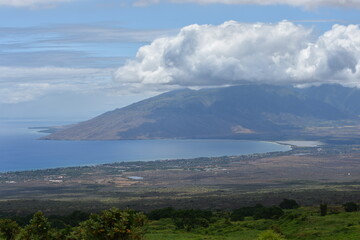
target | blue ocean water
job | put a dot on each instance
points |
(20, 148)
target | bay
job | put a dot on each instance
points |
(20, 148)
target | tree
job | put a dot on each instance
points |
(162, 213)
(113, 224)
(289, 204)
(351, 207)
(189, 218)
(9, 229)
(38, 228)
(241, 213)
(323, 209)
(273, 212)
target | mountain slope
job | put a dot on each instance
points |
(247, 111)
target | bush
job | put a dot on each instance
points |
(161, 213)
(351, 207)
(269, 213)
(241, 213)
(189, 218)
(289, 204)
(38, 228)
(72, 220)
(113, 224)
(270, 235)
(258, 212)
(294, 216)
(9, 229)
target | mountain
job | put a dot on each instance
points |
(241, 112)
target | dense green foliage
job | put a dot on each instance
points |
(247, 223)
(113, 224)
(69, 220)
(183, 218)
(270, 235)
(288, 204)
(258, 212)
(39, 228)
(304, 223)
(351, 207)
(273, 212)
(190, 218)
(157, 214)
(9, 229)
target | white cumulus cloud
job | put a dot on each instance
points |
(233, 53)
(298, 3)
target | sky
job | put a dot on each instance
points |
(75, 59)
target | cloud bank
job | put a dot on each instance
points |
(234, 53)
(298, 3)
(75, 58)
(30, 3)
(22, 84)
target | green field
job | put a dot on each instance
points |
(304, 223)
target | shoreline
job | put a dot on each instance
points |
(155, 161)
(300, 143)
(291, 143)
(152, 150)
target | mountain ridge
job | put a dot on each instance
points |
(239, 112)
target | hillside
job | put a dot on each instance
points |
(241, 112)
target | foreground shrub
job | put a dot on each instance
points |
(270, 235)
(189, 219)
(38, 228)
(9, 229)
(113, 224)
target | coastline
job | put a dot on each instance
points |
(301, 143)
(163, 160)
(54, 154)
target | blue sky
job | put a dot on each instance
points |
(74, 59)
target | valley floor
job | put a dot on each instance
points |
(310, 175)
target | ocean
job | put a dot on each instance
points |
(20, 148)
